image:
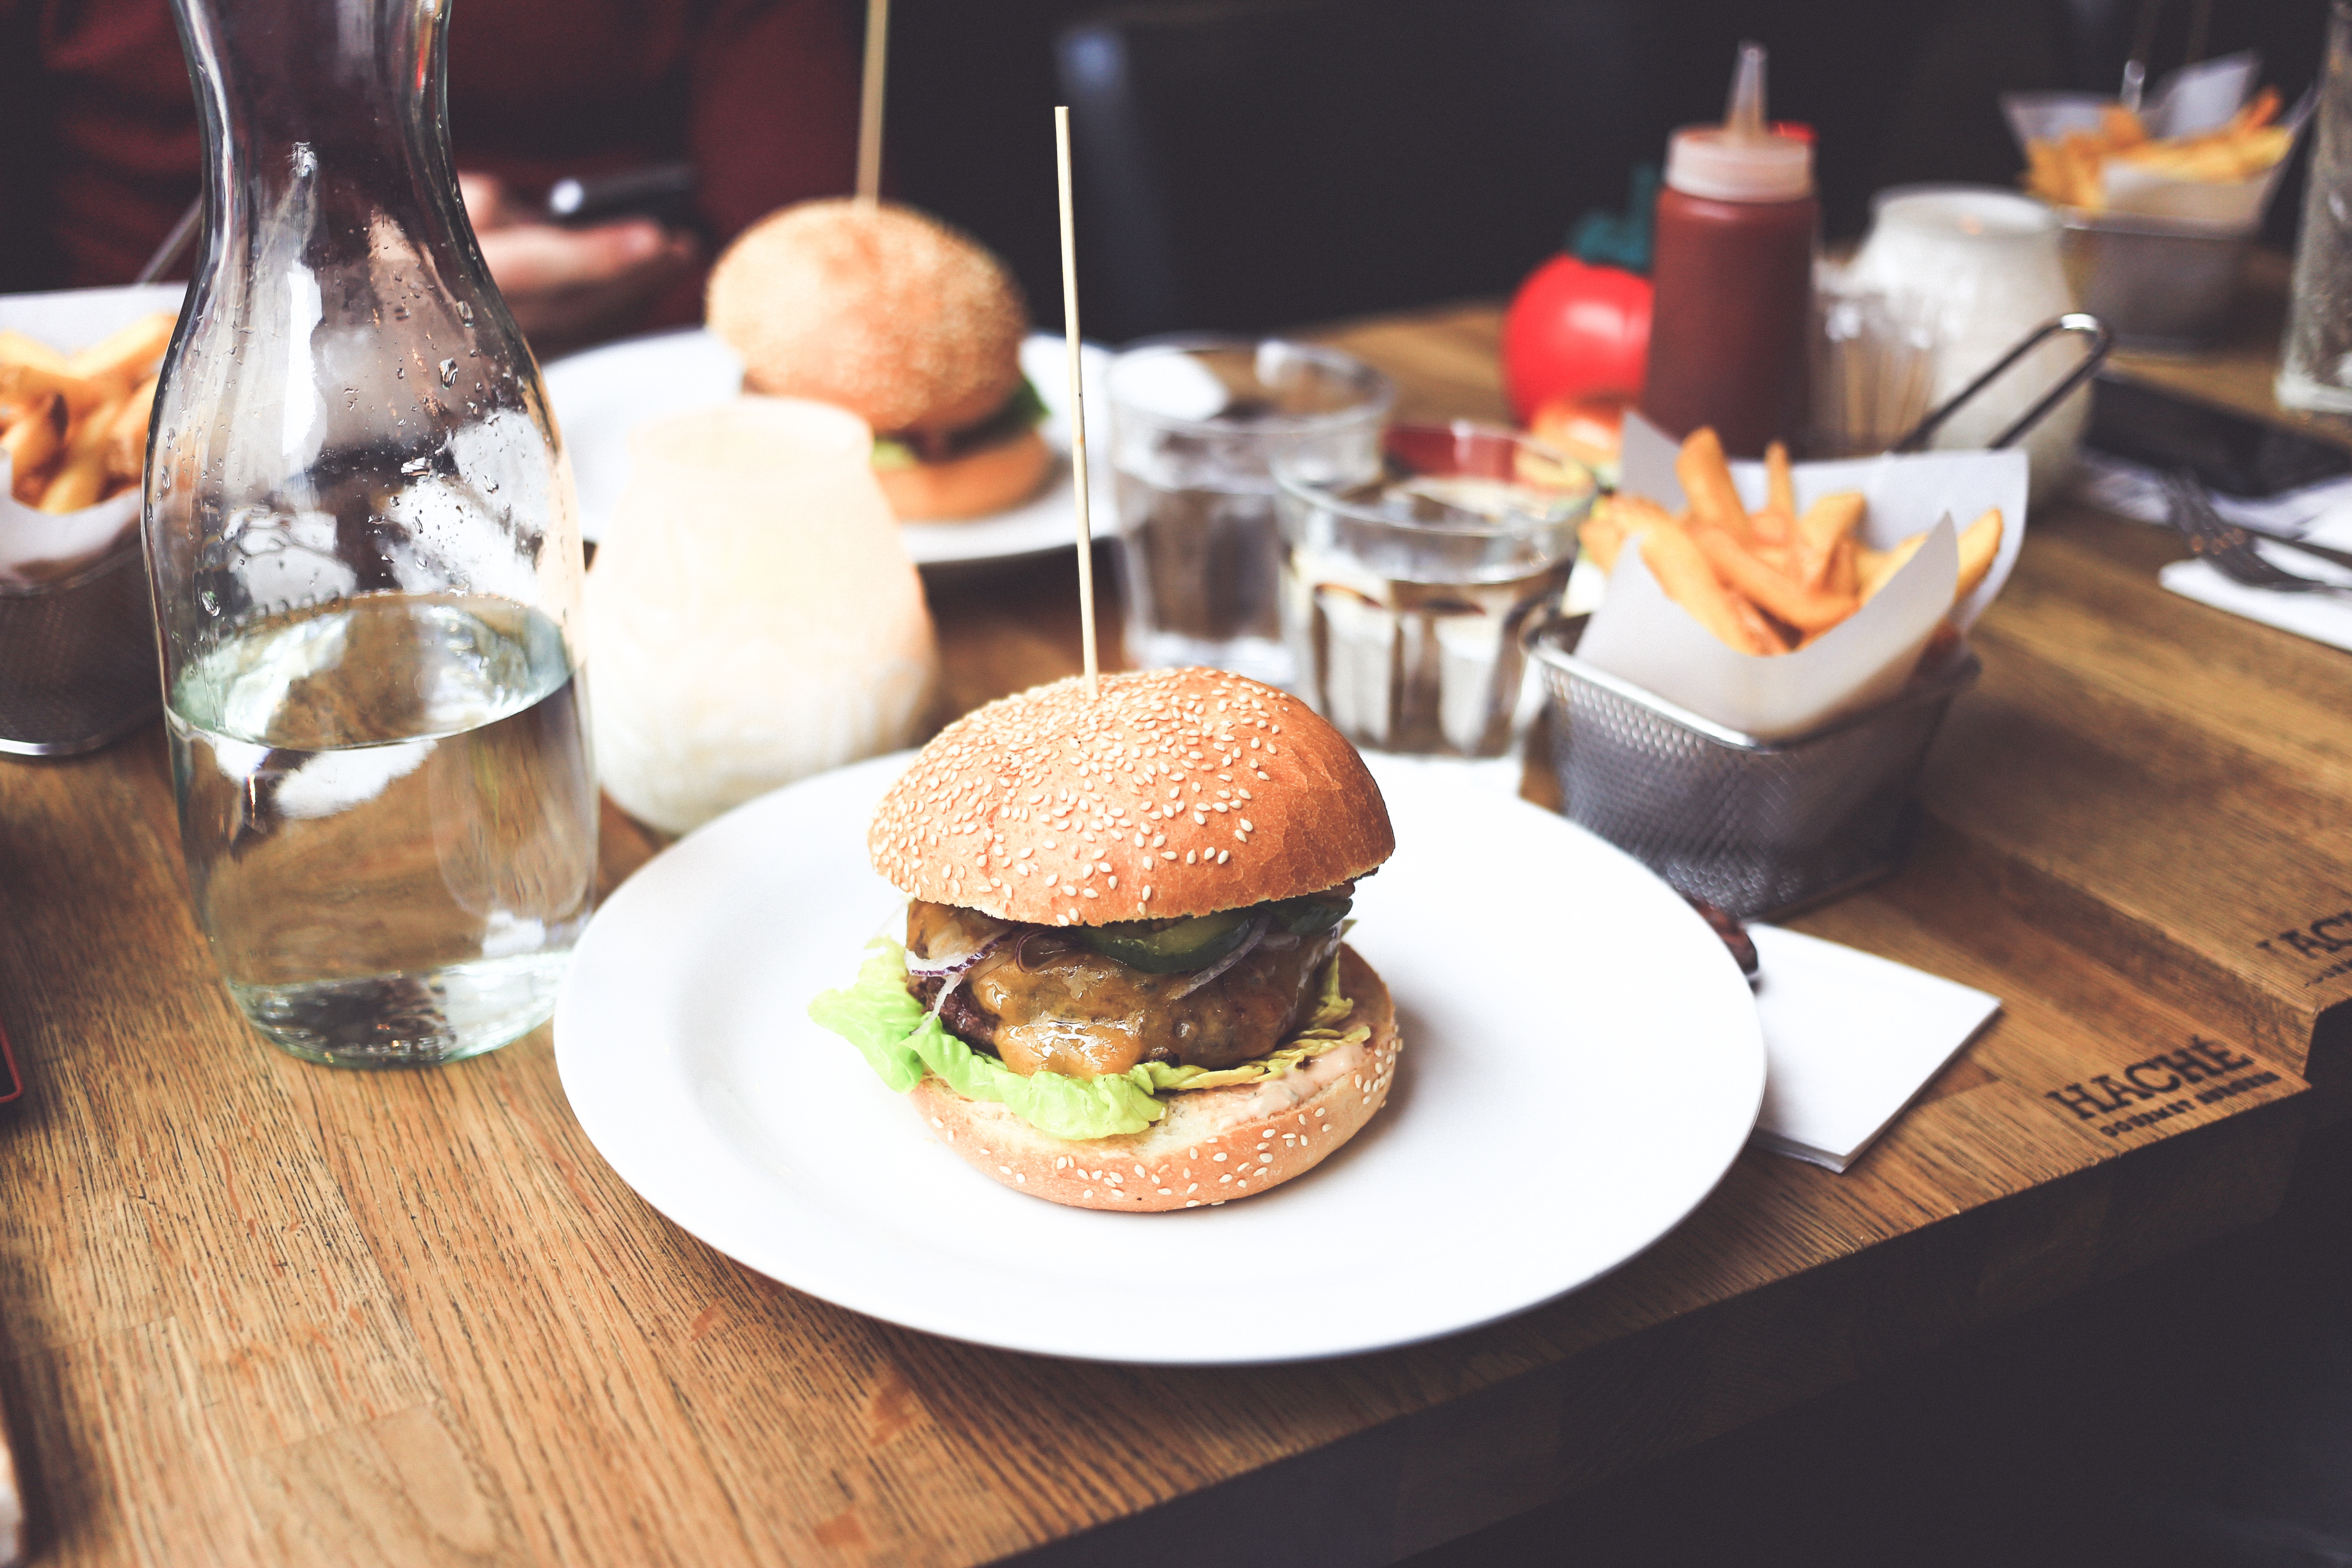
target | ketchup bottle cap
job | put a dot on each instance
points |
(1742, 160)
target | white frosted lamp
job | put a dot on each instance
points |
(752, 616)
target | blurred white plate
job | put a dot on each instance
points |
(1582, 1064)
(600, 395)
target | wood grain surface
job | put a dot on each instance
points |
(261, 1311)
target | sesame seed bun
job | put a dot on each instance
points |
(977, 484)
(1212, 1146)
(1178, 791)
(876, 308)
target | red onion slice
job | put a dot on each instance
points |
(954, 969)
(928, 966)
(1241, 951)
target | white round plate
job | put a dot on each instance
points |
(1582, 1064)
(600, 395)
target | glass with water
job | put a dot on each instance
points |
(365, 561)
(1196, 424)
(1405, 595)
(2316, 368)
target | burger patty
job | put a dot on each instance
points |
(1043, 1003)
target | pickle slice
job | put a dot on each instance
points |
(1308, 916)
(1170, 948)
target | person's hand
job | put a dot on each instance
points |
(569, 286)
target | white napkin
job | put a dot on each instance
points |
(1849, 1042)
(2322, 618)
(2321, 513)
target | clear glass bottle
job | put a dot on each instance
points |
(2315, 365)
(365, 561)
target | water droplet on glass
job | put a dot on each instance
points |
(400, 313)
(465, 312)
(415, 465)
(401, 370)
(491, 486)
(210, 601)
(448, 372)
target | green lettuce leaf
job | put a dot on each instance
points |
(877, 1015)
(900, 1040)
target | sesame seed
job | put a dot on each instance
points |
(1220, 1158)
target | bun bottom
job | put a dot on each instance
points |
(1213, 1146)
(977, 484)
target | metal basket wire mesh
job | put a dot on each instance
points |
(77, 658)
(1753, 826)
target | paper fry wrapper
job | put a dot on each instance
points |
(37, 546)
(1640, 635)
(2194, 98)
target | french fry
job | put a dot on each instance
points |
(2121, 127)
(1761, 626)
(1617, 519)
(81, 480)
(15, 348)
(32, 443)
(1843, 578)
(1979, 547)
(1683, 573)
(126, 434)
(129, 354)
(1779, 483)
(20, 382)
(1706, 484)
(1602, 536)
(1831, 519)
(1780, 595)
(1877, 567)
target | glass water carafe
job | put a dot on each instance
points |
(365, 560)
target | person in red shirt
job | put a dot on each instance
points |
(100, 148)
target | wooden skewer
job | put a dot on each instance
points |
(1078, 400)
(869, 102)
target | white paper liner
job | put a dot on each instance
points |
(37, 546)
(1640, 635)
(2193, 99)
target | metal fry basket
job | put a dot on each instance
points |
(1753, 826)
(77, 658)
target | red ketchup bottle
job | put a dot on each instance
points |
(1733, 268)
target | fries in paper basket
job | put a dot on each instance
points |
(74, 427)
(2070, 169)
(1775, 597)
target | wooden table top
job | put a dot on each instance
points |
(255, 1310)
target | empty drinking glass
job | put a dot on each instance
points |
(1196, 425)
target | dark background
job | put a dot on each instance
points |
(1244, 163)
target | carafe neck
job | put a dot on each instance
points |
(328, 117)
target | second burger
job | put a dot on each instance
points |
(904, 322)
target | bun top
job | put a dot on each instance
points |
(879, 308)
(1179, 791)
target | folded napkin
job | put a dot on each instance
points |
(1849, 1042)
(2323, 618)
(2321, 513)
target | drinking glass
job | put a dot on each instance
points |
(1873, 364)
(1196, 424)
(1989, 259)
(752, 616)
(1404, 595)
(365, 563)
(2315, 372)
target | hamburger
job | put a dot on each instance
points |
(1122, 983)
(907, 324)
